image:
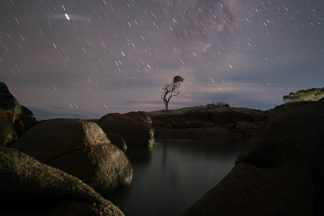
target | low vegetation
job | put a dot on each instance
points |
(313, 94)
(216, 105)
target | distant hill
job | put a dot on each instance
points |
(313, 94)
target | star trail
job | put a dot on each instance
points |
(100, 56)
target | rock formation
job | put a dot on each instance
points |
(31, 188)
(280, 171)
(207, 122)
(27, 118)
(9, 104)
(7, 130)
(80, 148)
(118, 141)
(20, 116)
(134, 127)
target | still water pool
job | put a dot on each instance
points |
(173, 176)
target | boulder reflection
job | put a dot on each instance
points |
(175, 174)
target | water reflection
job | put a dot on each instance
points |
(139, 154)
(173, 176)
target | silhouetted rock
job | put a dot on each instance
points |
(134, 127)
(280, 171)
(140, 116)
(21, 117)
(28, 119)
(196, 120)
(248, 129)
(226, 116)
(7, 131)
(80, 148)
(118, 141)
(31, 188)
(8, 103)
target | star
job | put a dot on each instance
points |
(50, 49)
(67, 16)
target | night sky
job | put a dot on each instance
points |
(91, 57)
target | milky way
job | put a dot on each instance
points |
(92, 57)
(205, 19)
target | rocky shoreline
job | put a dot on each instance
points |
(60, 166)
(208, 122)
(280, 170)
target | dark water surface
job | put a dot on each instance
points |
(176, 174)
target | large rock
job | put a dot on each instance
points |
(21, 117)
(204, 117)
(7, 131)
(248, 129)
(80, 148)
(226, 116)
(241, 122)
(9, 104)
(280, 172)
(27, 118)
(140, 117)
(31, 188)
(134, 127)
(118, 141)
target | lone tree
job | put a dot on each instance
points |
(170, 90)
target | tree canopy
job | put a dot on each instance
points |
(313, 94)
(170, 90)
